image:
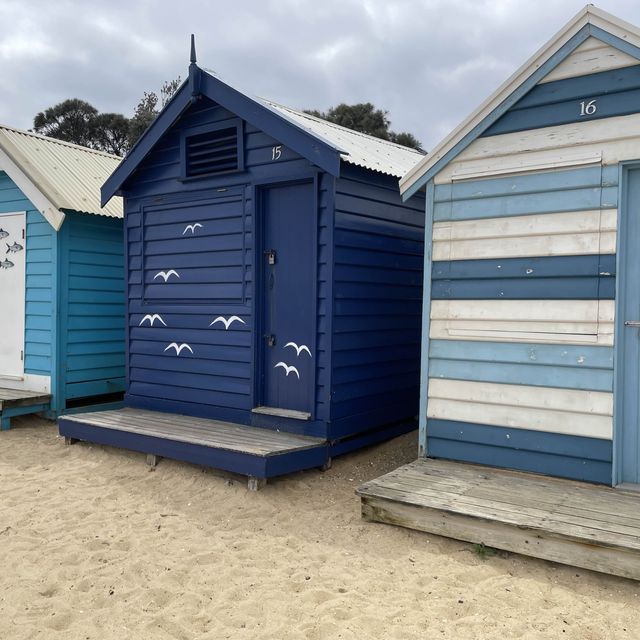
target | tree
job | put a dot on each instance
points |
(147, 109)
(366, 118)
(111, 132)
(79, 122)
(71, 120)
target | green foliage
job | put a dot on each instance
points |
(71, 120)
(111, 133)
(149, 107)
(79, 122)
(484, 552)
(366, 118)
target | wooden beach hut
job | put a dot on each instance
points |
(274, 287)
(61, 277)
(530, 344)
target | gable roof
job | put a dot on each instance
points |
(356, 148)
(322, 143)
(590, 21)
(57, 176)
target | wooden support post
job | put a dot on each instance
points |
(327, 465)
(255, 484)
(5, 423)
(69, 441)
(152, 459)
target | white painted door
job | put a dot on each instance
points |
(12, 293)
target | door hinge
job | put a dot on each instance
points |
(21, 355)
(271, 340)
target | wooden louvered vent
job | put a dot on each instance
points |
(214, 151)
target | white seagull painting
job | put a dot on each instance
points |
(288, 369)
(299, 349)
(227, 322)
(151, 319)
(192, 228)
(165, 275)
(179, 347)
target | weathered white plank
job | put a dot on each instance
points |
(573, 400)
(566, 411)
(527, 163)
(542, 310)
(551, 234)
(554, 321)
(615, 138)
(592, 56)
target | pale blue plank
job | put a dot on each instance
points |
(527, 204)
(525, 374)
(593, 357)
(560, 180)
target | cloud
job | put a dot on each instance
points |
(428, 62)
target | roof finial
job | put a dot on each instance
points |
(192, 59)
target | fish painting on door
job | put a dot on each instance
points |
(288, 294)
(12, 294)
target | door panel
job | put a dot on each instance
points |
(12, 293)
(289, 273)
(628, 365)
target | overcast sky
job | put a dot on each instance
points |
(428, 62)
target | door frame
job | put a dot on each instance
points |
(619, 333)
(257, 364)
(21, 376)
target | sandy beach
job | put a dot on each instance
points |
(94, 544)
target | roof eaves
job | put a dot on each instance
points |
(538, 65)
(31, 182)
(171, 112)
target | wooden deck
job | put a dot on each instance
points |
(257, 453)
(573, 523)
(14, 402)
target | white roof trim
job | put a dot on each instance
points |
(51, 213)
(588, 15)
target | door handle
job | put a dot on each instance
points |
(271, 340)
(632, 323)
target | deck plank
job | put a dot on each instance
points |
(576, 523)
(201, 431)
(12, 398)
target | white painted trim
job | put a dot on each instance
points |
(51, 213)
(28, 382)
(524, 164)
(588, 15)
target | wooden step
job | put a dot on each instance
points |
(15, 402)
(575, 523)
(251, 451)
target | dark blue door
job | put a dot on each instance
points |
(289, 274)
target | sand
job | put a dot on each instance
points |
(95, 544)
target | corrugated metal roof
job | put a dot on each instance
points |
(355, 147)
(68, 175)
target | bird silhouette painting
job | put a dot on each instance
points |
(165, 275)
(192, 228)
(227, 322)
(288, 368)
(299, 349)
(151, 319)
(179, 347)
